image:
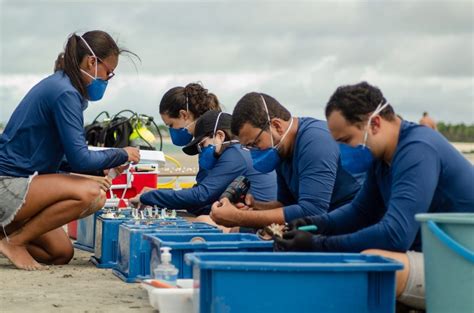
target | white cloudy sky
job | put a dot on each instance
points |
(420, 53)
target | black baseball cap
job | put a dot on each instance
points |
(205, 127)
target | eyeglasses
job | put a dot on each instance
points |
(253, 144)
(199, 145)
(110, 73)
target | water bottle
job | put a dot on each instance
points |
(165, 271)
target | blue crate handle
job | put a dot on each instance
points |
(450, 242)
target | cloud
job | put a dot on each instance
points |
(419, 52)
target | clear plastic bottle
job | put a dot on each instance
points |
(165, 271)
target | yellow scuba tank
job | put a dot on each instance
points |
(142, 137)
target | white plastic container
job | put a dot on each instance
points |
(172, 300)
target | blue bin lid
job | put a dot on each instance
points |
(293, 262)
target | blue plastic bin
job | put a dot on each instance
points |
(181, 244)
(293, 282)
(133, 262)
(448, 249)
(106, 242)
(86, 232)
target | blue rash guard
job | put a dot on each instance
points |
(48, 125)
(201, 174)
(427, 175)
(233, 162)
(311, 181)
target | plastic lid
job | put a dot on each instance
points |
(165, 255)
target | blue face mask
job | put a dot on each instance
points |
(180, 136)
(96, 89)
(358, 159)
(267, 160)
(207, 157)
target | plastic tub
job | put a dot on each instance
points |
(172, 300)
(293, 282)
(448, 248)
(133, 262)
(86, 232)
(106, 242)
(187, 243)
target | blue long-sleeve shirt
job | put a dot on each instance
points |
(233, 162)
(48, 125)
(311, 182)
(427, 175)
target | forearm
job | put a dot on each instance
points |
(262, 218)
(262, 206)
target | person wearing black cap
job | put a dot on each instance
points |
(224, 159)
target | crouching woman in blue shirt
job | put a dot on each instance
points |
(416, 170)
(47, 125)
(223, 159)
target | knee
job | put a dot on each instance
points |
(62, 256)
(93, 197)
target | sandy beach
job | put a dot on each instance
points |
(77, 287)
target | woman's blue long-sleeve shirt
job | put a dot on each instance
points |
(427, 175)
(47, 125)
(311, 181)
(233, 162)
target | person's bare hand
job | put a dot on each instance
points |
(104, 182)
(224, 213)
(242, 206)
(135, 201)
(249, 200)
(133, 154)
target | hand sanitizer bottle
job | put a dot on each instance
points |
(165, 271)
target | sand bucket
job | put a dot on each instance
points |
(448, 248)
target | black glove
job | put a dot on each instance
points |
(298, 240)
(319, 221)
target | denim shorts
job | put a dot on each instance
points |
(13, 192)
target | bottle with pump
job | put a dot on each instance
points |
(166, 271)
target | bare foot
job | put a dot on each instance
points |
(19, 256)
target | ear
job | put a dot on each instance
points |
(91, 62)
(220, 135)
(183, 114)
(375, 124)
(277, 124)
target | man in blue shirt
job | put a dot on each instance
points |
(223, 159)
(305, 157)
(416, 170)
